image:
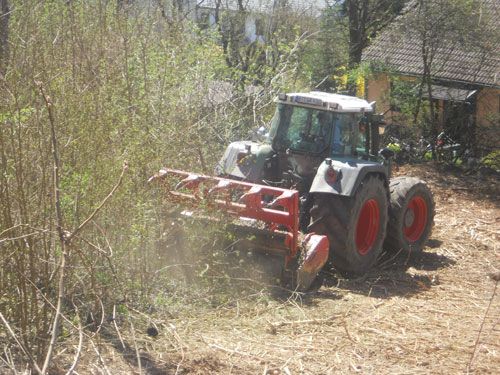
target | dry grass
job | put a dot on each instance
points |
(433, 313)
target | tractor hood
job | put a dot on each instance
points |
(244, 160)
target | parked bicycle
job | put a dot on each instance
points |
(447, 150)
(404, 152)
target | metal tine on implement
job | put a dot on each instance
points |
(222, 185)
(190, 182)
(253, 198)
(281, 199)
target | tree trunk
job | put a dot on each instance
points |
(4, 35)
(432, 113)
(357, 11)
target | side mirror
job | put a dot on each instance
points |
(386, 153)
(258, 135)
(261, 131)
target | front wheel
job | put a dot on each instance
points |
(411, 215)
(355, 226)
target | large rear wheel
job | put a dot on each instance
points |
(411, 215)
(355, 226)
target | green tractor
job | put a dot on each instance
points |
(321, 186)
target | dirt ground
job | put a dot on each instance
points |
(433, 313)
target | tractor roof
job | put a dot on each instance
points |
(326, 101)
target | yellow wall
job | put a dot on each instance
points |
(488, 107)
(488, 118)
(377, 90)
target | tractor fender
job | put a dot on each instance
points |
(348, 176)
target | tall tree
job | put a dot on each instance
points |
(4, 34)
(327, 53)
(366, 18)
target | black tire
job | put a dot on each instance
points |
(338, 217)
(411, 215)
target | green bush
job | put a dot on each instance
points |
(394, 147)
(124, 85)
(492, 160)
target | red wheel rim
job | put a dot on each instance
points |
(368, 226)
(415, 219)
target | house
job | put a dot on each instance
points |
(258, 13)
(205, 14)
(465, 81)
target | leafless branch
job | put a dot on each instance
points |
(64, 237)
(21, 346)
(481, 328)
(59, 227)
(132, 330)
(80, 343)
(116, 327)
(56, 162)
(101, 360)
(7, 359)
(101, 205)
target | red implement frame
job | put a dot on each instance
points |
(278, 208)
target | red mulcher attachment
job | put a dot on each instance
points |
(277, 208)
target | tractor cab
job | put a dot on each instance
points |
(307, 129)
(320, 124)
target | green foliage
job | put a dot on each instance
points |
(395, 147)
(19, 117)
(404, 96)
(492, 160)
(428, 156)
